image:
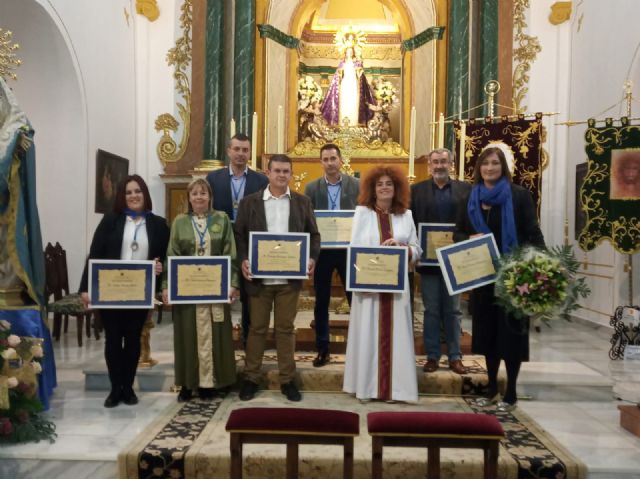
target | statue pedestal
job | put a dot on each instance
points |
(11, 297)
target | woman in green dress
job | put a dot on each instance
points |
(202, 341)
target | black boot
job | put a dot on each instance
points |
(185, 394)
(321, 359)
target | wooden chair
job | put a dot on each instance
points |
(435, 430)
(291, 426)
(64, 304)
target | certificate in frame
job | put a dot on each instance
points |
(187, 281)
(279, 255)
(118, 284)
(388, 274)
(335, 235)
(469, 264)
(439, 233)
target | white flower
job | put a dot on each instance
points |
(36, 367)
(37, 351)
(12, 382)
(13, 340)
(5, 325)
(9, 353)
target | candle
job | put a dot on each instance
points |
(441, 131)
(412, 141)
(232, 128)
(280, 130)
(254, 140)
(463, 138)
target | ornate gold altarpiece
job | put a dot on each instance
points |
(182, 158)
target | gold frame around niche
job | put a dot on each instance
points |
(296, 25)
(441, 8)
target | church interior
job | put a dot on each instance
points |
(158, 87)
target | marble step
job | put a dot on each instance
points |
(546, 381)
(563, 381)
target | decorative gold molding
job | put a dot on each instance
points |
(148, 8)
(358, 148)
(314, 50)
(8, 59)
(527, 48)
(298, 179)
(180, 57)
(560, 12)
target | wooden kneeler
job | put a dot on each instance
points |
(435, 430)
(291, 426)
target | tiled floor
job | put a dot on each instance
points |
(90, 436)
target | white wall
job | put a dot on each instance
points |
(91, 78)
(580, 73)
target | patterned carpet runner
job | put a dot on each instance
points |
(188, 441)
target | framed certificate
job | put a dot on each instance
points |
(469, 264)
(334, 227)
(279, 255)
(198, 279)
(377, 269)
(117, 284)
(433, 236)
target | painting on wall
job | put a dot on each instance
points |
(111, 169)
(625, 174)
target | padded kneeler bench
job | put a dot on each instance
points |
(435, 430)
(291, 426)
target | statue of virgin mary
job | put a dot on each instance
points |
(349, 94)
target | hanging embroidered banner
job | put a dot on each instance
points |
(521, 141)
(610, 193)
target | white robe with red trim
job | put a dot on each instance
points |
(361, 368)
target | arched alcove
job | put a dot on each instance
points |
(418, 82)
(49, 90)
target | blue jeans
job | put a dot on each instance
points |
(440, 307)
(328, 261)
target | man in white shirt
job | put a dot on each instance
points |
(275, 209)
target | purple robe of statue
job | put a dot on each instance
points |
(331, 103)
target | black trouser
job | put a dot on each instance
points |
(122, 331)
(329, 260)
(246, 316)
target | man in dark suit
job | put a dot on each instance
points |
(437, 201)
(229, 186)
(333, 191)
(275, 209)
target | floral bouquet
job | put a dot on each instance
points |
(540, 283)
(384, 91)
(309, 92)
(20, 363)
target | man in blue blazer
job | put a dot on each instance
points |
(332, 191)
(229, 186)
(437, 200)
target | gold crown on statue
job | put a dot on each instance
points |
(347, 37)
(8, 59)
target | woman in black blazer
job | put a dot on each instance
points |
(495, 205)
(121, 235)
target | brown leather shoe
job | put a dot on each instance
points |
(431, 366)
(457, 367)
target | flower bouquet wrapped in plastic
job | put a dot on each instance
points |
(20, 363)
(540, 283)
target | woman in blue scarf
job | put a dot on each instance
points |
(495, 205)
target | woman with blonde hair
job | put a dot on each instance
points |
(380, 361)
(202, 340)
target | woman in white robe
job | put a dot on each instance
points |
(380, 361)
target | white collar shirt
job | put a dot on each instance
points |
(276, 209)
